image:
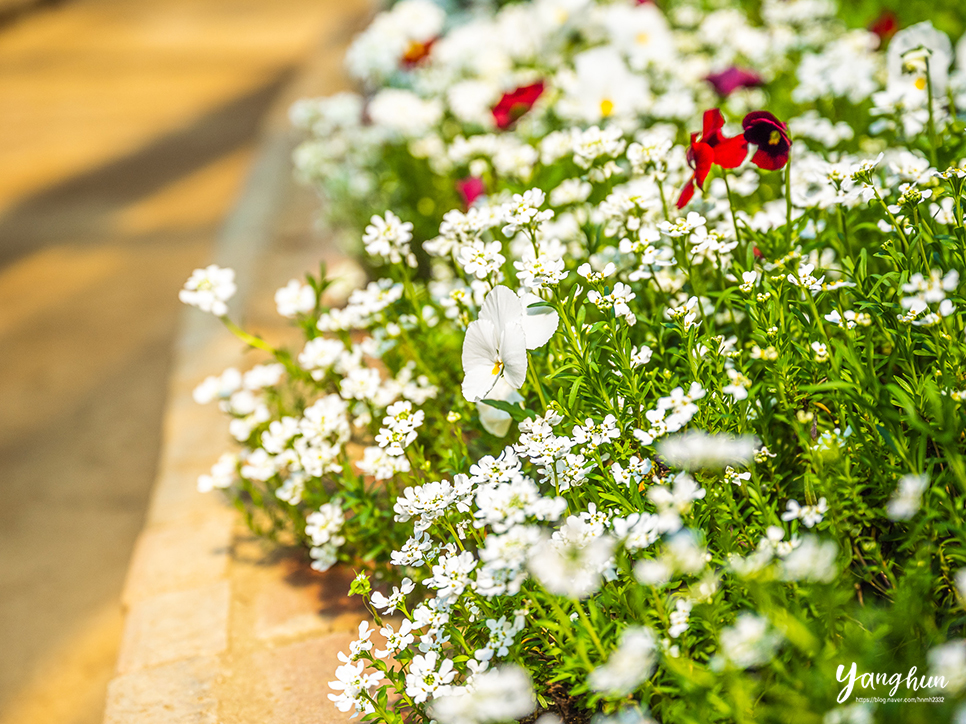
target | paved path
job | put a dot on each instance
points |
(126, 131)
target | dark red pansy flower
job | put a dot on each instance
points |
(470, 189)
(417, 52)
(516, 103)
(885, 26)
(728, 81)
(713, 147)
(771, 137)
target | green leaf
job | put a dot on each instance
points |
(515, 411)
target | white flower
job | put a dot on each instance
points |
(221, 387)
(679, 618)
(387, 238)
(208, 289)
(573, 561)
(404, 112)
(811, 560)
(949, 662)
(497, 695)
(387, 605)
(750, 642)
(496, 421)
(496, 344)
(323, 526)
(961, 585)
(424, 680)
(640, 355)
(629, 666)
(354, 684)
(697, 449)
(223, 474)
(295, 298)
(810, 515)
(395, 640)
(907, 499)
(600, 87)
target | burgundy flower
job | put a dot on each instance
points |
(470, 189)
(713, 147)
(516, 103)
(417, 52)
(771, 137)
(728, 81)
(885, 26)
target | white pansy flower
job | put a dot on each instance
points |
(496, 344)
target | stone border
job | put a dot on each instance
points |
(220, 628)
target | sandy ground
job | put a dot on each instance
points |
(126, 129)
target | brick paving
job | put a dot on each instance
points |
(126, 133)
(222, 626)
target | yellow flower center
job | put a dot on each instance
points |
(643, 38)
(921, 82)
(497, 368)
(774, 138)
(606, 107)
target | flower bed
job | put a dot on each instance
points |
(653, 409)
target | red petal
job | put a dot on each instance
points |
(703, 158)
(686, 193)
(731, 152)
(769, 162)
(713, 121)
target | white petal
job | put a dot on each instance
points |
(501, 307)
(480, 357)
(539, 323)
(513, 353)
(494, 421)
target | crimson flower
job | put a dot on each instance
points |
(713, 147)
(885, 26)
(470, 189)
(771, 137)
(516, 103)
(728, 81)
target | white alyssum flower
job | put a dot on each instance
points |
(750, 642)
(907, 498)
(496, 344)
(811, 560)
(572, 562)
(949, 662)
(219, 387)
(696, 449)
(429, 677)
(208, 289)
(810, 515)
(629, 666)
(223, 474)
(295, 298)
(324, 525)
(497, 695)
(387, 238)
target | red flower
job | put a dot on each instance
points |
(712, 148)
(885, 26)
(771, 137)
(470, 189)
(515, 103)
(728, 81)
(417, 52)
